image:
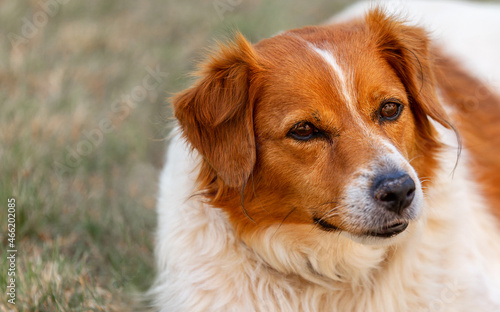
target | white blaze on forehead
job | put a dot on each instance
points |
(339, 73)
(345, 84)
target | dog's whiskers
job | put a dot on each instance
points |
(282, 221)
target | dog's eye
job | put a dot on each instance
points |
(390, 111)
(303, 131)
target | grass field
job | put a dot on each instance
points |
(82, 120)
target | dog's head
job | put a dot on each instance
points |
(325, 128)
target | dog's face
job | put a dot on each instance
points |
(326, 127)
(335, 135)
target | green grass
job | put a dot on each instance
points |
(84, 235)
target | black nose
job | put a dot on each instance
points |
(394, 191)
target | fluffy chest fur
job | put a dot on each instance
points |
(273, 204)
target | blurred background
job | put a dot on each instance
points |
(83, 121)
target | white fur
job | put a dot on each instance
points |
(448, 260)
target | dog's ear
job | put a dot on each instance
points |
(216, 114)
(406, 49)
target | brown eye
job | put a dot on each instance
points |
(390, 111)
(303, 131)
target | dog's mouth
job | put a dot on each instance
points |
(324, 225)
(389, 230)
(386, 231)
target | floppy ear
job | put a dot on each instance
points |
(216, 114)
(406, 49)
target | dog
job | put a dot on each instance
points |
(351, 166)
